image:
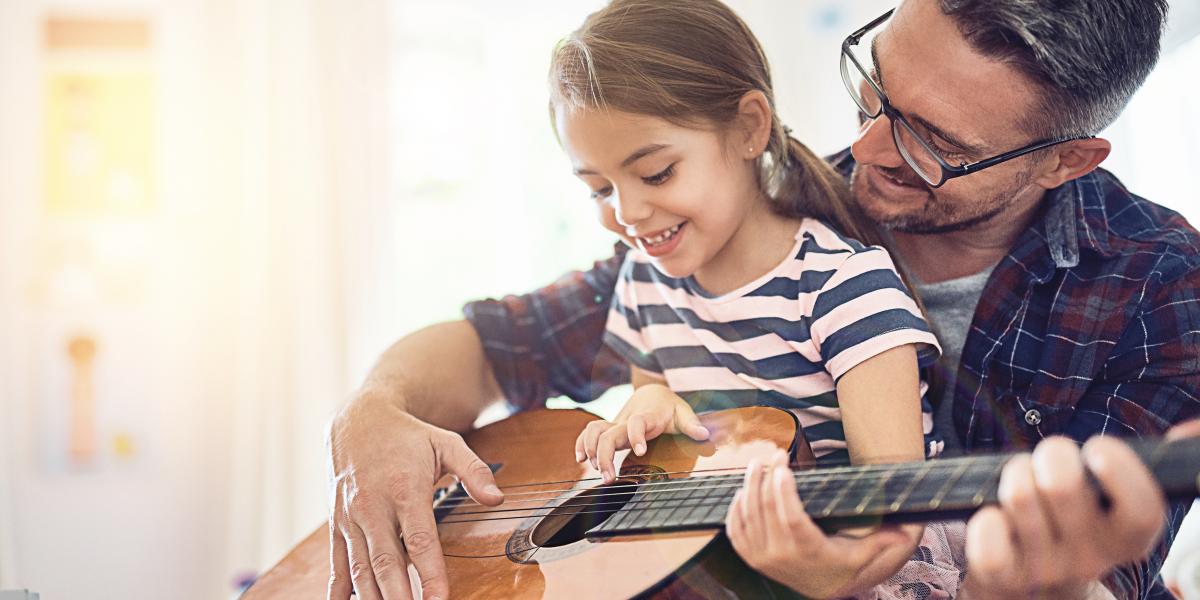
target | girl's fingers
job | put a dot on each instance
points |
(606, 449)
(636, 427)
(580, 455)
(591, 437)
(687, 423)
(752, 513)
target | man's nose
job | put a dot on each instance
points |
(876, 145)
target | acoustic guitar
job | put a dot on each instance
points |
(657, 530)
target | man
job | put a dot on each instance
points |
(1066, 305)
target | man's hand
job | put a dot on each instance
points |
(1049, 537)
(384, 463)
(771, 532)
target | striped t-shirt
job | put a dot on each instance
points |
(781, 340)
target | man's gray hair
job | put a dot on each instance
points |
(1087, 56)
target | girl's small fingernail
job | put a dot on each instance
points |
(579, 456)
(640, 449)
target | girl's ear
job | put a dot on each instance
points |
(754, 124)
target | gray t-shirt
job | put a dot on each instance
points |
(951, 306)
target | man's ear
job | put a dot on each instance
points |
(1074, 159)
(754, 121)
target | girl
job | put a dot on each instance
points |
(744, 284)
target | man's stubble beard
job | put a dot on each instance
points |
(933, 217)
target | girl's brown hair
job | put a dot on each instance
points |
(690, 62)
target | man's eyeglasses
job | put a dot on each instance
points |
(920, 154)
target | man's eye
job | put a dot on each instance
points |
(660, 177)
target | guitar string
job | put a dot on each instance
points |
(814, 497)
(817, 496)
(944, 506)
(804, 477)
(838, 466)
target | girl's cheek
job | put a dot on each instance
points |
(608, 217)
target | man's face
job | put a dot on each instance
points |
(966, 106)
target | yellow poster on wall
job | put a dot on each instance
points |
(98, 126)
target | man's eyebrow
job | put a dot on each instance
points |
(952, 139)
(632, 158)
(875, 62)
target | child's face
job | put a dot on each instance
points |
(677, 193)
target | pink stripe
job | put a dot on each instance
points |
(855, 355)
(847, 314)
(749, 307)
(768, 345)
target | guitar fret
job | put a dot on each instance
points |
(866, 501)
(678, 499)
(936, 501)
(912, 484)
(832, 505)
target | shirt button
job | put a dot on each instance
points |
(1033, 417)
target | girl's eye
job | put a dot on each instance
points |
(601, 193)
(660, 177)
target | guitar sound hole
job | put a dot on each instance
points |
(569, 522)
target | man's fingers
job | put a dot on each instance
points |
(340, 585)
(388, 561)
(1135, 514)
(420, 536)
(360, 563)
(1069, 502)
(687, 423)
(991, 553)
(1184, 430)
(1027, 516)
(476, 477)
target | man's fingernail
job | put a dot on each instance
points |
(640, 449)
(579, 457)
(491, 489)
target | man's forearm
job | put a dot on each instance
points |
(438, 374)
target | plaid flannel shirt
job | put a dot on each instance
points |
(1090, 325)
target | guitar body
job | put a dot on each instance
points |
(533, 546)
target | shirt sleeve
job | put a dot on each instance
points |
(624, 330)
(547, 343)
(865, 309)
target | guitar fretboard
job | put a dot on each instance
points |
(937, 489)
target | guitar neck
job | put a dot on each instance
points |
(941, 489)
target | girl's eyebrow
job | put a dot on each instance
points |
(632, 158)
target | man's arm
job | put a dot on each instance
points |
(439, 375)
(397, 436)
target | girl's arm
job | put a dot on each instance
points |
(881, 408)
(881, 414)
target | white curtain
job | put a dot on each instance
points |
(310, 99)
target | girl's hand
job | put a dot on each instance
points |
(652, 411)
(771, 532)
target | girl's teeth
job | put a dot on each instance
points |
(668, 234)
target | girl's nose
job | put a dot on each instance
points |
(631, 210)
(875, 144)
